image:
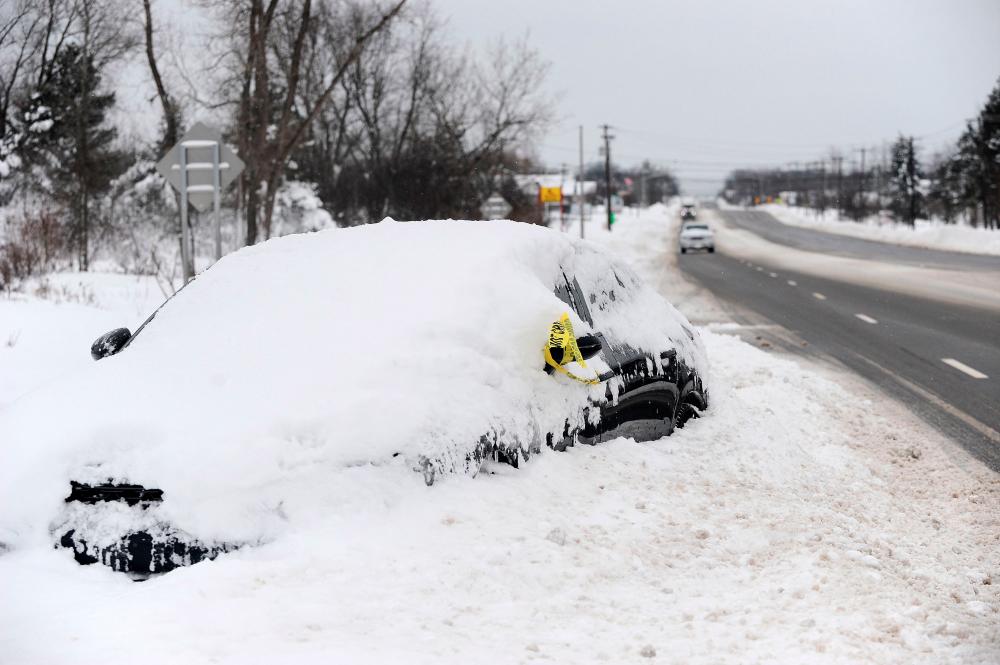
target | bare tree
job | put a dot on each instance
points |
(171, 111)
(387, 89)
(19, 25)
(421, 129)
(270, 126)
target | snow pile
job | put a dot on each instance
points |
(802, 522)
(930, 234)
(47, 330)
(308, 354)
(805, 519)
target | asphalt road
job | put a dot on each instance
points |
(931, 355)
(766, 226)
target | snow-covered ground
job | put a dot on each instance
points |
(47, 329)
(804, 519)
(926, 233)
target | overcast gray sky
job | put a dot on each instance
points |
(703, 86)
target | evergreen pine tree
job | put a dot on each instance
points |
(989, 144)
(904, 181)
(969, 173)
(68, 143)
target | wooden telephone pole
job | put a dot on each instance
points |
(607, 171)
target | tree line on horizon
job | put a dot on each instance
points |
(961, 184)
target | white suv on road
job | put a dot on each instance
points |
(696, 235)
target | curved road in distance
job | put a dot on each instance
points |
(941, 359)
(767, 227)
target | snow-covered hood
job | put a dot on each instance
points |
(306, 354)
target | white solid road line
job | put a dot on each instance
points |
(819, 296)
(962, 367)
(866, 318)
(983, 429)
(791, 282)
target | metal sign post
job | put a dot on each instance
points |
(495, 207)
(216, 194)
(200, 166)
(548, 195)
(187, 246)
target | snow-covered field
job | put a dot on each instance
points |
(926, 233)
(804, 519)
(46, 330)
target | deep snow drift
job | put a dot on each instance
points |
(805, 519)
(307, 354)
(930, 234)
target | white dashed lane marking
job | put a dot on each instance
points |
(866, 318)
(792, 282)
(773, 274)
(819, 296)
(962, 367)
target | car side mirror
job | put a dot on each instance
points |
(589, 346)
(110, 343)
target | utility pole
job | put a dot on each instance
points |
(579, 183)
(795, 181)
(840, 181)
(911, 177)
(822, 197)
(878, 189)
(878, 158)
(861, 188)
(562, 199)
(607, 171)
(813, 182)
(642, 186)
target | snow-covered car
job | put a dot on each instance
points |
(416, 344)
(696, 235)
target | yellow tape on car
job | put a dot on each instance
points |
(562, 337)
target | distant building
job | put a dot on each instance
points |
(530, 182)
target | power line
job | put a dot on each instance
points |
(819, 145)
(680, 167)
(673, 161)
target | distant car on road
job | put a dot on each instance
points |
(413, 345)
(689, 210)
(696, 235)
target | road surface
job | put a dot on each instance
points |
(766, 226)
(943, 359)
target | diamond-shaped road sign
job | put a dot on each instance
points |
(495, 207)
(199, 143)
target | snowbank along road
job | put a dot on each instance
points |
(929, 335)
(805, 519)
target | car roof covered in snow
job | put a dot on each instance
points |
(320, 351)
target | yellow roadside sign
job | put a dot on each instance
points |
(550, 194)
